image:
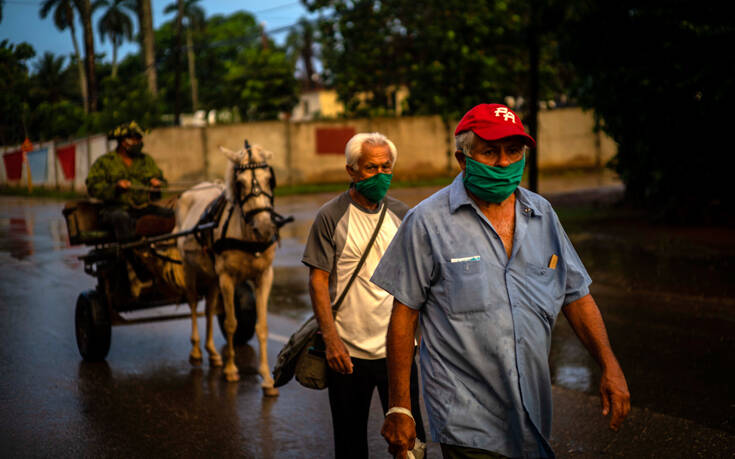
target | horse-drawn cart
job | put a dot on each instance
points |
(97, 310)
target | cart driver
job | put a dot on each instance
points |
(127, 180)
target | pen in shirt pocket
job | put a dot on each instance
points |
(552, 261)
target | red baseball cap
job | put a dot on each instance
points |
(493, 122)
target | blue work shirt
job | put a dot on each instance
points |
(486, 320)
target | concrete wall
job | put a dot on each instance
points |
(425, 146)
(567, 139)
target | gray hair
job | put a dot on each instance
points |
(353, 149)
(465, 139)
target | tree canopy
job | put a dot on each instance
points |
(236, 66)
(241, 70)
(13, 87)
(450, 54)
(652, 74)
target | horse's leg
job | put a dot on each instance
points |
(215, 360)
(262, 291)
(227, 287)
(195, 356)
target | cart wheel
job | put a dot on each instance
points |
(92, 323)
(244, 313)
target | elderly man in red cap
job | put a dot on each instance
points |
(484, 267)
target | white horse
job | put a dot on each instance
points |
(240, 248)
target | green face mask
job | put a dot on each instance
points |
(492, 184)
(375, 187)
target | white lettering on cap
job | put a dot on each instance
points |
(507, 115)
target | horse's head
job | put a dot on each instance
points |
(250, 182)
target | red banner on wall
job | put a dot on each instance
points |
(66, 157)
(13, 164)
(333, 140)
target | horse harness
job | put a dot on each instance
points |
(215, 210)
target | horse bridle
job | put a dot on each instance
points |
(255, 188)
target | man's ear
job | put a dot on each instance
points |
(351, 172)
(461, 159)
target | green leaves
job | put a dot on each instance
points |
(450, 54)
(648, 73)
(265, 81)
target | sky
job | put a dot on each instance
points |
(21, 22)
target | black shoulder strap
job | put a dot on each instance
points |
(362, 259)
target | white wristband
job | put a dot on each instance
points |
(400, 409)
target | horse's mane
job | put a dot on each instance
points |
(230, 181)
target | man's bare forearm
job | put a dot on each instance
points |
(321, 303)
(400, 348)
(586, 321)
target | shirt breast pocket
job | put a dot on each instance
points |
(544, 288)
(467, 286)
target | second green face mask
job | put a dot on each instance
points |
(375, 187)
(492, 184)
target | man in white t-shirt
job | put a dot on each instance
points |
(355, 339)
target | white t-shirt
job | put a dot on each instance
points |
(339, 235)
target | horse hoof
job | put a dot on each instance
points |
(196, 361)
(270, 392)
(232, 377)
(215, 361)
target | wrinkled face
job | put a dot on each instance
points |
(495, 153)
(375, 159)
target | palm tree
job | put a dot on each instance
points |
(147, 43)
(63, 18)
(177, 60)
(49, 76)
(116, 24)
(85, 11)
(194, 16)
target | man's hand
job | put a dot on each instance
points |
(156, 183)
(586, 321)
(123, 184)
(615, 396)
(338, 358)
(399, 431)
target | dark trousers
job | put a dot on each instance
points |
(464, 452)
(121, 221)
(349, 399)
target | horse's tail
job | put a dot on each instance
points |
(173, 268)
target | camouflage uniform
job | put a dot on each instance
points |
(110, 168)
(124, 207)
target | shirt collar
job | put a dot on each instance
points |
(458, 197)
(527, 206)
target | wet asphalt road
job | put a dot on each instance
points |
(670, 320)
